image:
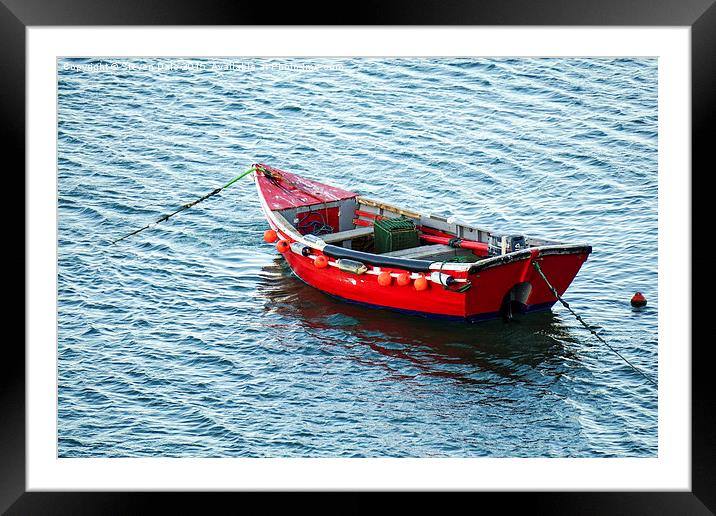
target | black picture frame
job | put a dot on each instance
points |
(17, 15)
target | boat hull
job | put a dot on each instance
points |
(484, 300)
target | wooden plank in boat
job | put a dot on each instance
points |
(347, 235)
(388, 207)
(422, 251)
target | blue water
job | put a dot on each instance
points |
(193, 339)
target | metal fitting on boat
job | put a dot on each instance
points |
(299, 248)
(351, 266)
(443, 279)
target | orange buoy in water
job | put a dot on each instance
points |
(403, 279)
(270, 236)
(638, 300)
(421, 283)
(282, 246)
(384, 279)
(321, 261)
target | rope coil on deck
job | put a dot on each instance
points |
(566, 305)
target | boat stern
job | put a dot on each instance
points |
(510, 283)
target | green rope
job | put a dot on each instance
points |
(186, 206)
(227, 185)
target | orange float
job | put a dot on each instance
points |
(282, 246)
(384, 279)
(421, 283)
(403, 279)
(270, 236)
(321, 262)
(638, 300)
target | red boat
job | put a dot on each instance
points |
(366, 251)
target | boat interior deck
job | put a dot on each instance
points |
(349, 223)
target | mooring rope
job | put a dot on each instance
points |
(186, 206)
(566, 305)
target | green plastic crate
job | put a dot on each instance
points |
(395, 234)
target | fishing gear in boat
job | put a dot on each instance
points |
(448, 282)
(188, 205)
(314, 227)
(566, 305)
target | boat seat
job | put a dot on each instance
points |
(342, 236)
(422, 251)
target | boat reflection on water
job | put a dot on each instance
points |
(533, 348)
